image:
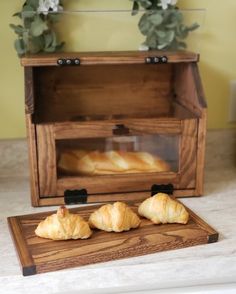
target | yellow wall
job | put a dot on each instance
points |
(11, 77)
(217, 45)
(218, 56)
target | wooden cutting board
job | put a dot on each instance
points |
(38, 255)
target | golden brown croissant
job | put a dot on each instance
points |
(117, 218)
(112, 162)
(63, 225)
(163, 209)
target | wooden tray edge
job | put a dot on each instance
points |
(213, 235)
(25, 257)
(23, 253)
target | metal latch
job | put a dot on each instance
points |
(120, 130)
(167, 189)
(75, 196)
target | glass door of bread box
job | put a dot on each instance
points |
(118, 155)
(107, 158)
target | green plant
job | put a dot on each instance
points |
(36, 33)
(163, 24)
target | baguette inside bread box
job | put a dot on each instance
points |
(114, 125)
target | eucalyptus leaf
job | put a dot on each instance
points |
(162, 46)
(20, 47)
(182, 45)
(18, 29)
(171, 25)
(135, 8)
(170, 35)
(156, 18)
(144, 25)
(36, 34)
(193, 27)
(54, 39)
(33, 3)
(37, 44)
(60, 46)
(27, 23)
(18, 14)
(48, 38)
(28, 12)
(144, 3)
(38, 26)
(160, 34)
(152, 41)
(182, 32)
(164, 29)
(54, 17)
(25, 38)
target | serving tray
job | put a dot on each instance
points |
(38, 255)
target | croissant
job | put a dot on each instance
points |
(117, 218)
(163, 209)
(63, 225)
(111, 162)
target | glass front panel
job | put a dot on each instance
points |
(121, 30)
(84, 26)
(118, 155)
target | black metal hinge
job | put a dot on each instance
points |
(156, 59)
(75, 196)
(168, 189)
(68, 61)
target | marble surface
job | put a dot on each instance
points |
(190, 270)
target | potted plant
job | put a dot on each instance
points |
(162, 24)
(36, 33)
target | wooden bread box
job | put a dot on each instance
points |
(114, 105)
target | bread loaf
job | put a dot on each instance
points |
(112, 162)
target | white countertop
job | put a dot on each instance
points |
(201, 269)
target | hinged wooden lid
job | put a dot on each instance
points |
(122, 57)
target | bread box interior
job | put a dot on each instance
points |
(113, 126)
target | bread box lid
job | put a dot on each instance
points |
(124, 57)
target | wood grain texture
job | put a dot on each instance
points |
(33, 160)
(213, 234)
(128, 57)
(190, 94)
(74, 93)
(183, 193)
(101, 198)
(198, 86)
(48, 255)
(29, 90)
(201, 146)
(202, 129)
(96, 129)
(188, 154)
(25, 257)
(46, 160)
(188, 88)
(115, 183)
